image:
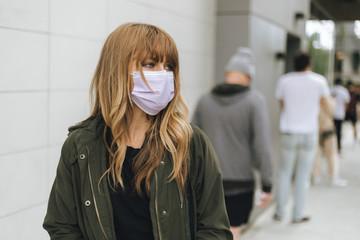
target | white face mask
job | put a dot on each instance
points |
(162, 84)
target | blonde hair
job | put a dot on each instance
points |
(169, 130)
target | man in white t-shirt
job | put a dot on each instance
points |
(300, 94)
(342, 98)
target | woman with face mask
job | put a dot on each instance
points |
(136, 168)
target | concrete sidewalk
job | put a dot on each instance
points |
(335, 212)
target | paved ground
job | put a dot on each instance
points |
(335, 212)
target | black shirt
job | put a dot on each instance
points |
(131, 212)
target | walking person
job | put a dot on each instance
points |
(136, 169)
(327, 145)
(300, 94)
(235, 118)
(342, 99)
(351, 110)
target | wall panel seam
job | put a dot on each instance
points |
(33, 149)
(24, 209)
(51, 90)
(54, 34)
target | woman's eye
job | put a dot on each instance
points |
(148, 65)
(169, 68)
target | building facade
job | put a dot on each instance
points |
(347, 51)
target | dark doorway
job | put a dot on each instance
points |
(292, 47)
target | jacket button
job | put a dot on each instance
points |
(162, 163)
(82, 156)
(163, 212)
(87, 203)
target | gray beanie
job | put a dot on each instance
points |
(242, 61)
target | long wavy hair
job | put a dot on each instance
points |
(169, 131)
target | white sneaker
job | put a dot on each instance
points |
(338, 182)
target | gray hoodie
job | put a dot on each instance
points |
(236, 121)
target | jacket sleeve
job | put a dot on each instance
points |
(211, 217)
(261, 142)
(61, 217)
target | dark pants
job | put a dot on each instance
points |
(338, 124)
(238, 208)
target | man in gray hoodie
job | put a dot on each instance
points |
(235, 119)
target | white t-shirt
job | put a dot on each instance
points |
(301, 93)
(342, 97)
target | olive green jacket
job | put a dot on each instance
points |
(80, 208)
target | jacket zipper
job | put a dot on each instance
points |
(93, 195)
(156, 205)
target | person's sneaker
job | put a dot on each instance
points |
(277, 218)
(338, 182)
(301, 220)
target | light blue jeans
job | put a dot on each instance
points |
(297, 151)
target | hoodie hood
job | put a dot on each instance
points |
(226, 94)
